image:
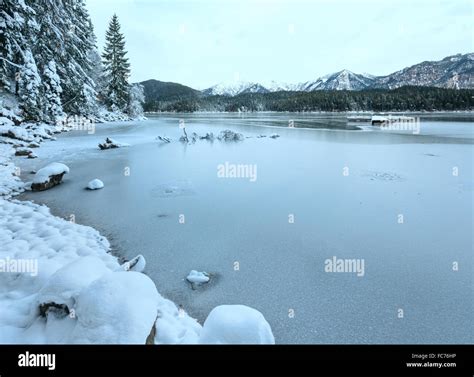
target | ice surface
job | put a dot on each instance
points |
(280, 263)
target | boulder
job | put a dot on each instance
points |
(49, 176)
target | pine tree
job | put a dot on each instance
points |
(29, 88)
(17, 26)
(116, 67)
(52, 93)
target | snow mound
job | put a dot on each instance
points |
(119, 308)
(236, 324)
(65, 285)
(95, 184)
(197, 277)
(43, 175)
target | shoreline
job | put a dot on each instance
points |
(172, 318)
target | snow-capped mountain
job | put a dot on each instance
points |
(275, 86)
(455, 71)
(342, 80)
(235, 88)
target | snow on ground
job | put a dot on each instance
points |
(10, 183)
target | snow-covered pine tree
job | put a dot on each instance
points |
(29, 88)
(79, 95)
(116, 67)
(17, 26)
(136, 100)
(52, 93)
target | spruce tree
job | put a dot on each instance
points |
(116, 67)
(52, 93)
(17, 27)
(29, 88)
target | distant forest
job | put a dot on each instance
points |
(408, 98)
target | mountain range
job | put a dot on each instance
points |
(455, 72)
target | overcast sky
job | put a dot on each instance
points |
(200, 43)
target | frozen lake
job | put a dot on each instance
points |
(345, 189)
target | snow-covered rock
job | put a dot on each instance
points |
(137, 264)
(95, 184)
(197, 277)
(119, 308)
(236, 324)
(16, 132)
(229, 135)
(65, 285)
(111, 144)
(49, 176)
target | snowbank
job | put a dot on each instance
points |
(236, 324)
(95, 184)
(10, 183)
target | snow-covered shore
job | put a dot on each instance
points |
(59, 283)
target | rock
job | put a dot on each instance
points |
(274, 136)
(229, 135)
(32, 155)
(164, 139)
(34, 144)
(209, 136)
(151, 336)
(58, 310)
(23, 152)
(110, 144)
(49, 176)
(95, 184)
